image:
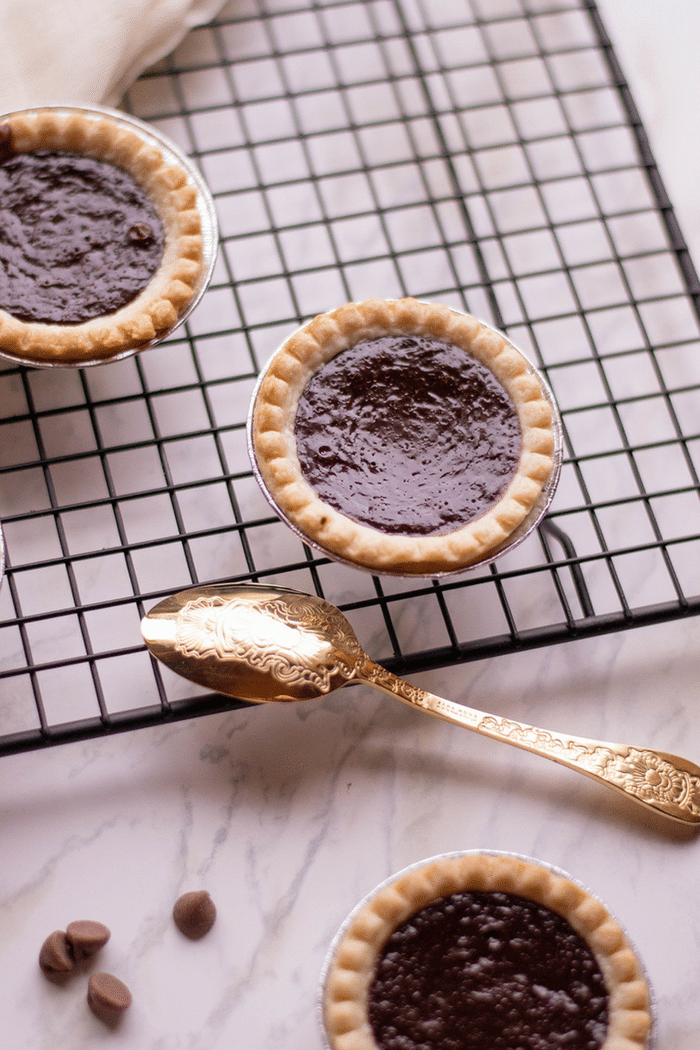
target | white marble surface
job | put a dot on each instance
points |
(657, 48)
(288, 815)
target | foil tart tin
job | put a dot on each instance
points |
(651, 1043)
(172, 153)
(521, 533)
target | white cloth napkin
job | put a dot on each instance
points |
(86, 51)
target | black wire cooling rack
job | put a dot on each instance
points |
(486, 154)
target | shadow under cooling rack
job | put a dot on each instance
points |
(485, 155)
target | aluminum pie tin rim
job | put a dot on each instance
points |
(207, 214)
(521, 533)
(651, 1043)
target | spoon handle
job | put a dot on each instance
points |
(665, 783)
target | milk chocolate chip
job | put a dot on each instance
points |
(56, 957)
(107, 997)
(194, 914)
(86, 937)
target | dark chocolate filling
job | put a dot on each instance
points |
(478, 970)
(407, 434)
(78, 238)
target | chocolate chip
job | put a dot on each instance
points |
(56, 957)
(107, 997)
(140, 233)
(194, 914)
(86, 937)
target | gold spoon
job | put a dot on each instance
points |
(260, 643)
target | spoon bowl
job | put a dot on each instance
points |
(260, 643)
(254, 643)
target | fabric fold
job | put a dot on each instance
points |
(87, 51)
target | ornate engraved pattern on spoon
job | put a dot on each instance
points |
(261, 643)
(227, 628)
(644, 774)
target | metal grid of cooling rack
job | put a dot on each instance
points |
(482, 153)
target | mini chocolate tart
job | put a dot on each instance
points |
(106, 240)
(404, 437)
(475, 950)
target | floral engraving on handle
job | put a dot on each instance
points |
(642, 773)
(653, 779)
(276, 635)
(377, 675)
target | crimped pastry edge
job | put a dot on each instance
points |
(274, 445)
(157, 307)
(354, 956)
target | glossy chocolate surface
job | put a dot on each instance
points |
(78, 238)
(407, 434)
(478, 970)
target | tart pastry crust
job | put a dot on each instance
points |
(157, 307)
(356, 952)
(275, 453)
